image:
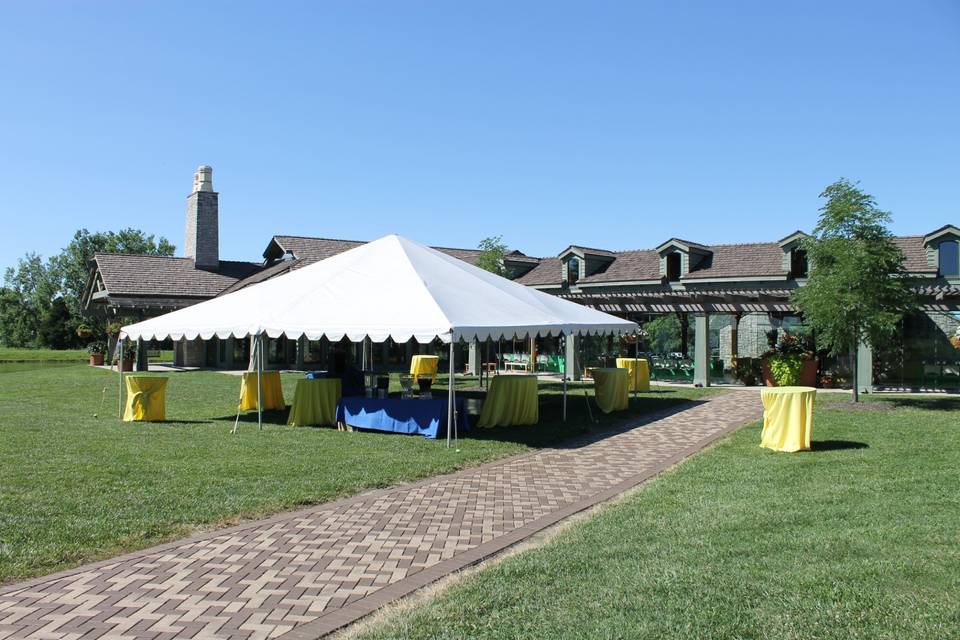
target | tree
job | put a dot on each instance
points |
(29, 290)
(857, 289)
(27, 299)
(664, 333)
(492, 252)
(56, 331)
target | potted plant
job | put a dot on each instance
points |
(789, 363)
(128, 355)
(96, 351)
(113, 328)
(84, 330)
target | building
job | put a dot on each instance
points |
(732, 294)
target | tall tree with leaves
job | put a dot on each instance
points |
(857, 290)
(492, 253)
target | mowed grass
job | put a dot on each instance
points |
(12, 354)
(77, 484)
(857, 539)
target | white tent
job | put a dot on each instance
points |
(389, 288)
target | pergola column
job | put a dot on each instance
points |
(473, 366)
(301, 352)
(570, 357)
(701, 350)
(864, 357)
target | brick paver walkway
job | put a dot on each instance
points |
(304, 574)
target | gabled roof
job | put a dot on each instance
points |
(793, 237)
(576, 248)
(947, 229)
(914, 254)
(683, 244)
(159, 276)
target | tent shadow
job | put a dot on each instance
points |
(837, 445)
(579, 431)
(937, 403)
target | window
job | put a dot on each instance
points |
(673, 267)
(573, 270)
(798, 263)
(949, 258)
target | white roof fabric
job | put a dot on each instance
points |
(391, 287)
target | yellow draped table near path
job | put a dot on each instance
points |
(272, 391)
(146, 399)
(611, 389)
(511, 400)
(315, 402)
(787, 416)
(638, 373)
(424, 366)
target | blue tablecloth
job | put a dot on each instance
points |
(426, 417)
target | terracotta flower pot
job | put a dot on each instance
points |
(96, 359)
(126, 365)
(808, 374)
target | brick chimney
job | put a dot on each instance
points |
(202, 238)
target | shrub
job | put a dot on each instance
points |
(786, 369)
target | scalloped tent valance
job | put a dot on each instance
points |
(389, 288)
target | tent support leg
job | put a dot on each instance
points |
(636, 361)
(259, 388)
(118, 354)
(450, 399)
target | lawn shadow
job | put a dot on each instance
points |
(578, 431)
(946, 403)
(837, 445)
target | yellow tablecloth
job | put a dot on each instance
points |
(510, 400)
(424, 365)
(787, 414)
(146, 399)
(315, 402)
(272, 391)
(638, 373)
(611, 389)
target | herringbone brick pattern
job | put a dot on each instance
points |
(305, 573)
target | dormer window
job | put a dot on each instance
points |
(798, 263)
(673, 267)
(573, 270)
(949, 259)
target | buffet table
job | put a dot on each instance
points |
(426, 417)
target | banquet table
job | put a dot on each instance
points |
(426, 417)
(511, 400)
(424, 365)
(787, 417)
(638, 373)
(272, 391)
(315, 402)
(146, 399)
(611, 389)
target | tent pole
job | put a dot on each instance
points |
(259, 387)
(450, 394)
(117, 351)
(564, 385)
(636, 361)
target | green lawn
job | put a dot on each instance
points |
(11, 354)
(75, 487)
(858, 539)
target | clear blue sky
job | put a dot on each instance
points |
(614, 125)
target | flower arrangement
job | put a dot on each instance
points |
(84, 330)
(97, 348)
(787, 359)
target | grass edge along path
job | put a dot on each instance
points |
(78, 485)
(857, 539)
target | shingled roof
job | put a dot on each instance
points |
(158, 276)
(750, 260)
